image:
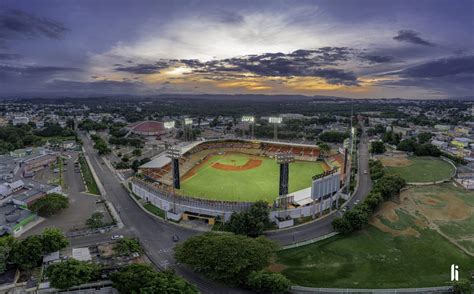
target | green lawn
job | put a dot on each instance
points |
(260, 183)
(87, 175)
(423, 169)
(155, 210)
(374, 259)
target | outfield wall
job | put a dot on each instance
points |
(223, 209)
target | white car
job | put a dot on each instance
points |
(116, 237)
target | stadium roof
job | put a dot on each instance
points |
(147, 127)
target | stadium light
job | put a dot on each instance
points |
(282, 158)
(188, 121)
(247, 118)
(169, 124)
(174, 152)
(276, 120)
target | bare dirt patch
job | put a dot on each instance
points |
(250, 164)
(396, 160)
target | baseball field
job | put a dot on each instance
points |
(242, 177)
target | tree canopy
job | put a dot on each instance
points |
(251, 222)
(50, 204)
(226, 257)
(69, 273)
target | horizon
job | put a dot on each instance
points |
(343, 49)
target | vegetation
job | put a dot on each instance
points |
(226, 257)
(127, 246)
(374, 259)
(6, 244)
(100, 145)
(376, 169)
(50, 204)
(422, 169)
(87, 176)
(333, 137)
(463, 286)
(358, 217)
(28, 253)
(89, 125)
(140, 278)
(69, 273)
(251, 222)
(137, 163)
(267, 282)
(377, 147)
(96, 220)
(155, 210)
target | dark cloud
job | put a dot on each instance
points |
(454, 76)
(16, 24)
(27, 71)
(9, 56)
(411, 36)
(374, 58)
(303, 63)
(143, 69)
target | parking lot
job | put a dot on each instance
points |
(81, 205)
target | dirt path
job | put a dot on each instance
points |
(250, 164)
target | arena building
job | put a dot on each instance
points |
(219, 177)
(147, 128)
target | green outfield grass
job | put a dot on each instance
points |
(423, 169)
(260, 183)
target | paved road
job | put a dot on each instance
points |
(323, 227)
(155, 235)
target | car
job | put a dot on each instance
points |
(365, 172)
(357, 202)
(117, 237)
(344, 209)
(175, 238)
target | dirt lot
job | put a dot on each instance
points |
(396, 160)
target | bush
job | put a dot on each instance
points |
(251, 222)
(50, 204)
(69, 273)
(262, 281)
(127, 246)
(376, 169)
(95, 221)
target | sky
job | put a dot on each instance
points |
(360, 49)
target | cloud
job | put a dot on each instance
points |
(442, 67)
(411, 36)
(374, 58)
(15, 24)
(143, 68)
(9, 56)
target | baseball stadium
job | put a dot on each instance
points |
(238, 170)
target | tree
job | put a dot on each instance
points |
(69, 273)
(95, 221)
(53, 240)
(407, 145)
(333, 137)
(50, 204)
(262, 281)
(141, 278)
(325, 149)
(378, 147)
(424, 137)
(127, 246)
(27, 254)
(226, 257)
(137, 152)
(251, 222)
(6, 245)
(462, 286)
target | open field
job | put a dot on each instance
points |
(424, 232)
(418, 169)
(242, 177)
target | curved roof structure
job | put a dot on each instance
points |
(148, 128)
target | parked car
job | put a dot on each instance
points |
(117, 237)
(175, 238)
(365, 172)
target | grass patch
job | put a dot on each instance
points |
(155, 210)
(374, 259)
(423, 169)
(259, 183)
(87, 176)
(458, 229)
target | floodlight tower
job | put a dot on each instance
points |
(175, 153)
(284, 159)
(251, 121)
(275, 121)
(188, 129)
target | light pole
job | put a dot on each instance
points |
(251, 121)
(284, 160)
(275, 121)
(175, 153)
